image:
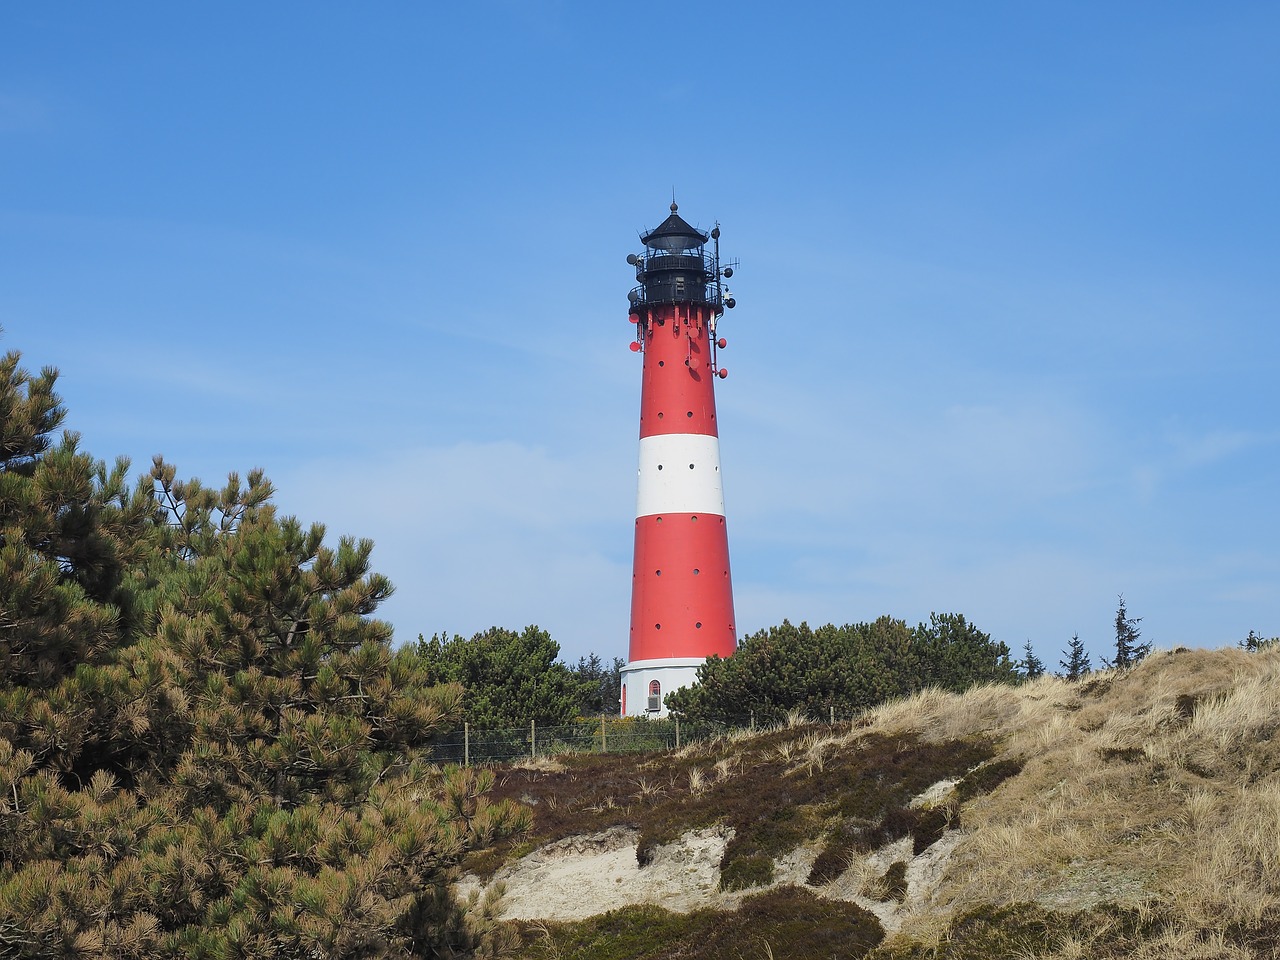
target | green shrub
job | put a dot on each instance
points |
(754, 870)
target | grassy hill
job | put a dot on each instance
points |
(1133, 814)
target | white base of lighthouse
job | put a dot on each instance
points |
(640, 698)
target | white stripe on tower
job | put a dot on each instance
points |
(679, 473)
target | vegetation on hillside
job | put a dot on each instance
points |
(771, 790)
(842, 669)
(508, 678)
(208, 747)
(1131, 814)
(803, 926)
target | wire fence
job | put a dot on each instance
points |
(606, 735)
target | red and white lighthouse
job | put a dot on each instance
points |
(681, 590)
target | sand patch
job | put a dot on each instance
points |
(581, 877)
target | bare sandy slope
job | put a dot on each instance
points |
(580, 877)
(583, 876)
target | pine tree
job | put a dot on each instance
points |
(208, 746)
(1077, 663)
(955, 654)
(796, 667)
(1255, 642)
(262, 788)
(1128, 650)
(1032, 666)
(509, 678)
(68, 527)
(602, 685)
(846, 668)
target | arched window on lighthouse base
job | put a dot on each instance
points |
(655, 696)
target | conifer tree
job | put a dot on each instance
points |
(1077, 663)
(1128, 650)
(796, 667)
(208, 747)
(1032, 666)
(953, 654)
(846, 668)
(68, 527)
(602, 685)
(509, 678)
(1256, 641)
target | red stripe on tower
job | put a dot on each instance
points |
(682, 592)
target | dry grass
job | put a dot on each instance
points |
(795, 719)
(1155, 785)
(539, 764)
(815, 748)
(1141, 808)
(1234, 878)
(697, 781)
(645, 790)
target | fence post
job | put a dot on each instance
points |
(533, 739)
(677, 733)
(753, 721)
(604, 743)
(833, 714)
(466, 744)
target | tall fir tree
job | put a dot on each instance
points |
(1077, 663)
(1255, 642)
(1128, 650)
(602, 685)
(1030, 665)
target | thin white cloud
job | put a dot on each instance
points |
(1214, 446)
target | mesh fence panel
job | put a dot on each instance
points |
(470, 745)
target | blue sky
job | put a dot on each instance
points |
(1006, 335)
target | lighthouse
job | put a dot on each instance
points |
(681, 589)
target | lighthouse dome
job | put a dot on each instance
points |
(674, 235)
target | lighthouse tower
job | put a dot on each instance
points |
(681, 591)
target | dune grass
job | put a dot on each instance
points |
(1133, 814)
